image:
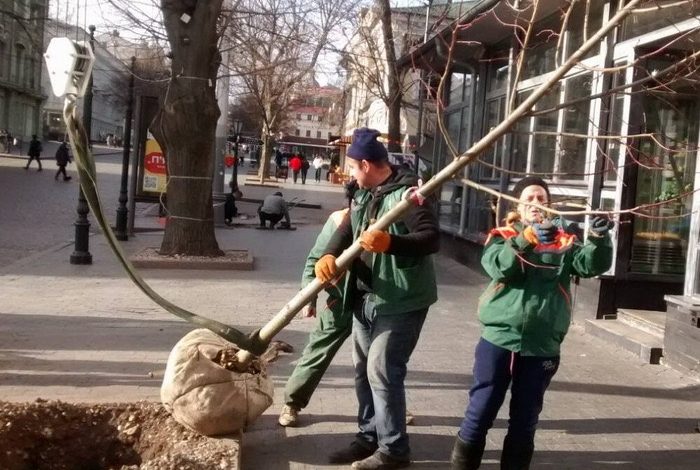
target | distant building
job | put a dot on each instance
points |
(313, 118)
(110, 82)
(21, 49)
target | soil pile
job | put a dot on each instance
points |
(52, 435)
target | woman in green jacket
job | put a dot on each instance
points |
(525, 313)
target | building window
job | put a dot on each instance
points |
(3, 61)
(544, 144)
(309, 117)
(456, 88)
(298, 117)
(319, 119)
(297, 132)
(656, 14)
(318, 134)
(666, 173)
(18, 77)
(541, 52)
(573, 151)
(308, 133)
(577, 20)
(521, 139)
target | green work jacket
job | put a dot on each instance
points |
(527, 306)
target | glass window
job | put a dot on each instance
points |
(308, 133)
(592, 22)
(308, 117)
(480, 214)
(498, 67)
(617, 102)
(318, 134)
(521, 138)
(456, 88)
(450, 204)
(572, 155)
(542, 49)
(667, 171)
(544, 145)
(298, 116)
(296, 132)
(494, 155)
(656, 14)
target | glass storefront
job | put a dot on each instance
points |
(666, 173)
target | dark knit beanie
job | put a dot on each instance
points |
(530, 181)
(366, 147)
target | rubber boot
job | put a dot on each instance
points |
(516, 456)
(466, 455)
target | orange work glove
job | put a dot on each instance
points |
(375, 241)
(325, 268)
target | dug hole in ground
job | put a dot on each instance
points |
(201, 388)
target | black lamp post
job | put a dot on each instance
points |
(122, 211)
(81, 253)
(237, 126)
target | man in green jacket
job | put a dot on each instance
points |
(330, 332)
(525, 313)
(389, 289)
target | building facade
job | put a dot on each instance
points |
(312, 119)
(601, 145)
(21, 49)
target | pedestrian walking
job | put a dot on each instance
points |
(332, 327)
(304, 168)
(34, 153)
(525, 313)
(318, 165)
(62, 159)
(389, 289)
(295, 164)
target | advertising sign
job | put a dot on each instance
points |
(154, 168)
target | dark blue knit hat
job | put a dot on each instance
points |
(366, 147)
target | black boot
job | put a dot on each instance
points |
(466, 455)
(516, 456)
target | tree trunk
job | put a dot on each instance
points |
(395, 95)
(186, 124)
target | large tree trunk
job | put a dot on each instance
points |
(395, 93)
(186, 124)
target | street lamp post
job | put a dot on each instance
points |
(81, 253)
(237, 126)
(122, 211)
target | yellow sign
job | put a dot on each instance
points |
(154, 168)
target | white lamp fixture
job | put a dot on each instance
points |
(69, 64)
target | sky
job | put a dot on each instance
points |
(106, 18)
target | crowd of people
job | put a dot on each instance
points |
(383, 299)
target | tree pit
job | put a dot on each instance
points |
(54, 435)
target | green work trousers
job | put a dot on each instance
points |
(331, 330)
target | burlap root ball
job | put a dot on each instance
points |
(205, 396)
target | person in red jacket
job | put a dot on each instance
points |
(295, 164)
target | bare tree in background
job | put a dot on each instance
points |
(380, 35)
(276, 44)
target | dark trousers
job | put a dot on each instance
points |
(273, 218)
(495, 369)
(317, 176)
(35, 157)
(295, 175)
(61, 170)
(303, 176)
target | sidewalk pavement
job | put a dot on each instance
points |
(86, 334)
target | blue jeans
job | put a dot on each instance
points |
(494, 370)
(382, 345)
